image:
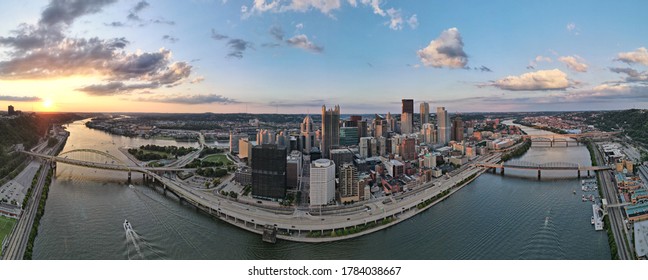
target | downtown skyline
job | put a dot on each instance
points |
(295, 56)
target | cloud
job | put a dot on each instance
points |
(270, 45)
(571, 27)
(65, 12)
(115, 88)
(632, 74)
(574, 63)
(375, 5)
(299, 26)
(301, 41)
(196, 80)
(216, 36)
(293, 103)
(639, 55)
(115, 24)
(413, 22)
(483, 69)
(534, 63)
(277, 33)
(324, 6)
(20, 98)
(445, 51)
(237, 47)
(533, 81)
(395, 19)
(133, 13)
(170, 38)
(190, 99)
(163, 21)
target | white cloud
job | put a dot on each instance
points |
(413, 22)
(324, 6)
(539, 80)
(445, 51)
(301, 41)
(571, 26)
(395, 19)
(299, 26)
(353, 3)
(574, 63)
(639, 55)
(375, 4)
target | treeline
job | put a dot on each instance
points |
(545, 128)
(196, 163)
(518, 152)
(39, 214)
(210, 151)
(172, 150)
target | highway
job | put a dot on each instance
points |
(615, 213)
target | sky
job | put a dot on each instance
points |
(293, 56)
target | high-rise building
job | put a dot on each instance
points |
(365, 147)
(349, 136)
(443, 125)
(265, 136)
(425, 113)
(307, 135)
(406, 123)
(380, 126)
(234, 141)
(355, 118)
(408, 148)
(457, 129)
(349, 191)
(407, 120)
(322, 182)
(340, 157)
(293, 169)
(11, 110)
(362, 129)
(429, 133)
(269, 171)
(245, 150)
(330, 130)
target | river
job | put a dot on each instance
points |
(494, 217)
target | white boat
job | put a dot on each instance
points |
(131, 186)
(592, 219)
(127, 225)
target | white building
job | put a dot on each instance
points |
(322, 182)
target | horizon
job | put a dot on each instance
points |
(288, 56)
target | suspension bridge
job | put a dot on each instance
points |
(525, 165)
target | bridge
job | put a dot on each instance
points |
(525, 165)
(565, 138)
(110, 162)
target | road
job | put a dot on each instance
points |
(616, 216)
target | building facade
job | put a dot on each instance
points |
(349, 187)
(330, 130)
(443, 126)
(322, 182)
(425, 113)
(269, 172)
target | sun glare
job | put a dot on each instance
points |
(48, 104)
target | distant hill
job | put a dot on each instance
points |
(633, 123)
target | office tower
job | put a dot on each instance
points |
(408, 148)
(322, 182)
(269, 171)
(407, 120)
(457, 129)
(365, 147)
(330, 129)
(283, 139)
(391, 122)
(429, 160)
(425, 113)
(362, 129)
(349, 136)
(382, 145)
(340, 157)
(380, 126)
(234, 141)
(245, 150)
(429, 133)
(293, 169)
(355, 118)
(406, 123)
(349, 191)
(443, 125)
(265, 136)
(11, 110)
(307, 135)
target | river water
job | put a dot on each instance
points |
(494, 217)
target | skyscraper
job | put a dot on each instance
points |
(330, 129)
(269, 171)
(457, 129)
(307, 135)
(429, 133)
(349, 191)
(349, 136)
(443, 125)
(407, 120)
(322, 182)
(425, 113)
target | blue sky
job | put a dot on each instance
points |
(292, 56)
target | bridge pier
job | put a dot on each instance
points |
(502, 171)
(579, 175)
(566, 143)
(588, 173)
(551, 143)
(129, 177)
(539, 174)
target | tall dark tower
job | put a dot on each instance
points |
(330, 130)
(407, 116)
(269, 171)
(457, 129)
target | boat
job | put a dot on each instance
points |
(127, 225)
(592, 219)
(131, 186)
(574, 192)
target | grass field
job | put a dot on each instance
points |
(218, 157)
(5, 227)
